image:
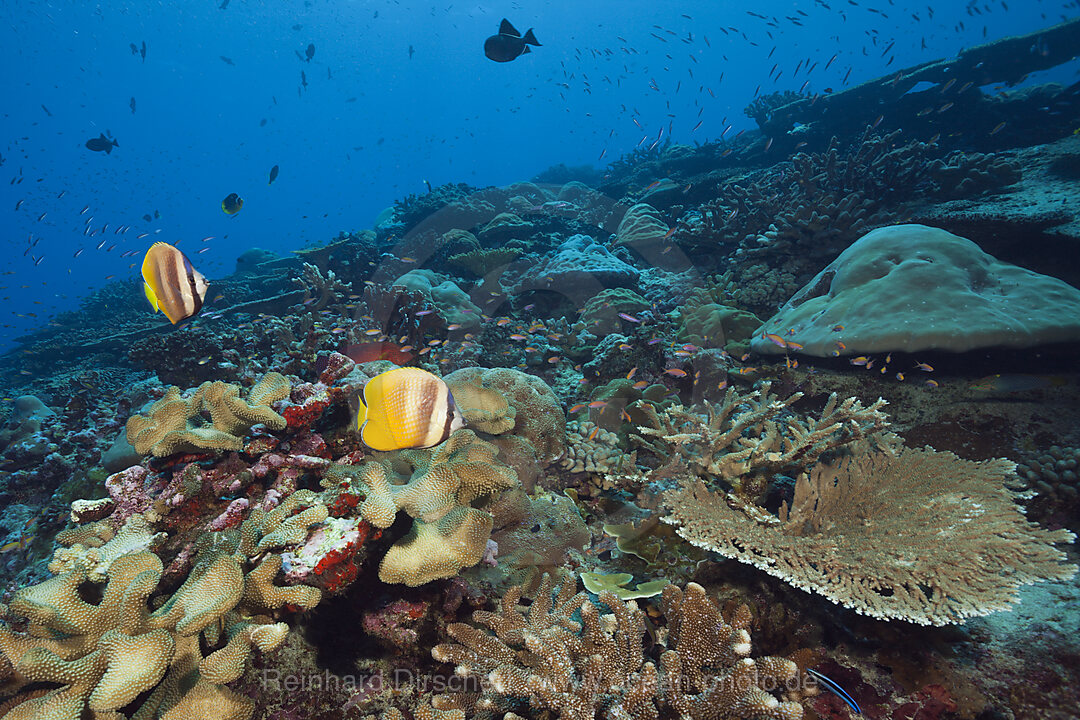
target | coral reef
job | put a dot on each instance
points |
(579, 268)
(881, 562)
(176, 424)
(440, 493)
(575, 657)
(911, 287)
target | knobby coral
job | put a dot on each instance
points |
(580, 659)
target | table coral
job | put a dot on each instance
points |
(176, 424)
(574, 657)
(439, 493)
(919, 535)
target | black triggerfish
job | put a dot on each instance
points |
(508, 44)
(102, 144)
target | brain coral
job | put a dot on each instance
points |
(538, 417)
(177, 424)
(912, 287)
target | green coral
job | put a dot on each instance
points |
(601, 312)
(710, 324)
(615, 583)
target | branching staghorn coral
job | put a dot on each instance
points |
(582, 659)
(917, 535)
(754, 435)
(321, 291)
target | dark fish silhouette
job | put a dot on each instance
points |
(142, 51)
(132, 106)
(411, 51)
(227, 61)
(508, 44)
(273, 174)
(232, 204)
(310, 52)
(102, 144)
(224, 4)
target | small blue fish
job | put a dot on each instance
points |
(835, 690)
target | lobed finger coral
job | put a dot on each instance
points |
(102, 657)
(440, 491)
(176, 424)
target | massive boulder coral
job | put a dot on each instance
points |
(441, 491)
(918, 535)
(537, 414)
(452, 302)
(910, 288)
(581, 658)
(580, 268)
(178, 424)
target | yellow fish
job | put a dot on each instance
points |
(171, 284)
(405, 408)
(233, 202)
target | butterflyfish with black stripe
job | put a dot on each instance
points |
(405, 408)
(232, 203)
(171, 284)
